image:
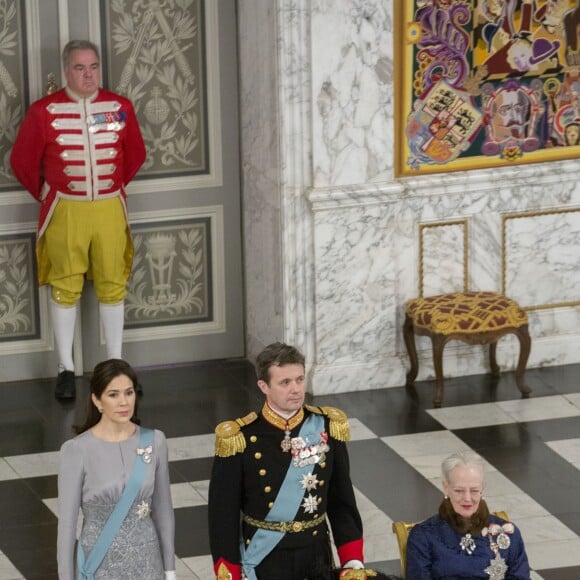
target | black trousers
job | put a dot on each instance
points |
(308, 562)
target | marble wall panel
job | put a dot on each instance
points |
(352, 91)
(443, 265)
(355, 274)
(484, 246)
(541, 258)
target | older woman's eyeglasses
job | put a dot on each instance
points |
(474, 493)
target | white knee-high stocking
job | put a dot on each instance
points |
(113, 319)
(63, 322)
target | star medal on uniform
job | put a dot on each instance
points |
(145, 453)
(309, 481)
(497, 568)
(286, 444)
(310, 504)
(467, 544)
(143, 510)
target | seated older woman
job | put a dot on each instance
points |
(464, 540)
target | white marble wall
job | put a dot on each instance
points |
(352, 92)
(349, 232)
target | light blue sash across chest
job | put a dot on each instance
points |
(285, 506)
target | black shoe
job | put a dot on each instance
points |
(65, 386)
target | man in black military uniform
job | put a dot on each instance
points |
(278, 476)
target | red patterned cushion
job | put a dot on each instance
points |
(465, 312)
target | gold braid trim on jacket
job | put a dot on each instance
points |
(229, 437)
(339, 427)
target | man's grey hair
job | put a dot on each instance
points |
(468, 458)
(77, 45)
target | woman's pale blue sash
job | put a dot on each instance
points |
(87, 567)
(285, 506)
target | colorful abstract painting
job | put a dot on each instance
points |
(484, 83)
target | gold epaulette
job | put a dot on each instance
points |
(229, 438)
(339, 427)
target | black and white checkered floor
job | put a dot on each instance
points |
(532, 447)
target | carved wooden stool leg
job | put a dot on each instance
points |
(409, 335)
(525, 345)
(438, 341)
(492, 360)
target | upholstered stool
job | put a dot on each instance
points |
(474, 318)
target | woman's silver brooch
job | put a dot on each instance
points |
(467, 544)
(145, 453)
(143, 510)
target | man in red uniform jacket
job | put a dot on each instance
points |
(75, 152)
(285, 473)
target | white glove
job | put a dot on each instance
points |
(171, 575)
(354, 565)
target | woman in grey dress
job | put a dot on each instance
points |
(94, 469)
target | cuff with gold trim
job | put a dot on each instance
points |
(225, 570)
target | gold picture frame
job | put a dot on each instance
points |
(485, 83)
